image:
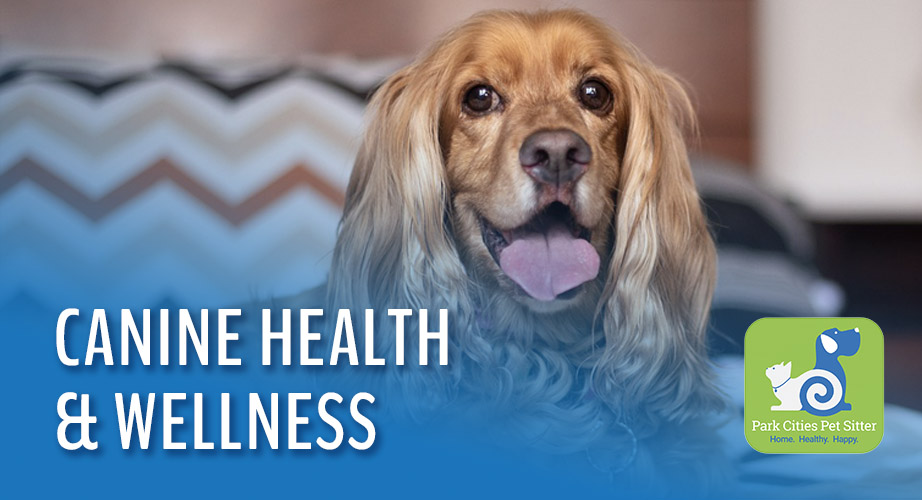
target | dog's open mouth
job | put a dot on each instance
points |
(548, 256)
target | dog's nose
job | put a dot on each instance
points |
(556, 157)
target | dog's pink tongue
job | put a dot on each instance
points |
(546, 265)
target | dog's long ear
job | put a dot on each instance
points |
(394, 248)
(662, 272)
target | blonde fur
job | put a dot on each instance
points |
(631, 349)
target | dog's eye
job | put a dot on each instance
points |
(480, 99)
(594, 95)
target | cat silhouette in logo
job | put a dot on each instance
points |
(820, 391)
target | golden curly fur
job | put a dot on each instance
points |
(432, 174)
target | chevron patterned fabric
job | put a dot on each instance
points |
(172, 182)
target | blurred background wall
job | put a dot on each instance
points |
(840, 106)
(707, 43)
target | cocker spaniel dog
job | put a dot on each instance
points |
(529, 173)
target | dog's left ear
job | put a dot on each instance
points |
(662, 273)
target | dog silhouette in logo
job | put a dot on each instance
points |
(820, 391)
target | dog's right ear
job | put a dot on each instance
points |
(394, 247)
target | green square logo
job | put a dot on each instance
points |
(814, 385)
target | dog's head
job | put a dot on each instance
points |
(532, 133)
(838, 343)
(533, 166)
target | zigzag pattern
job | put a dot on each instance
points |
(32, 219)
(164, 170)
(239, 86)
(96, 145)
(148, 102)
(123, 187)
(164, 243)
